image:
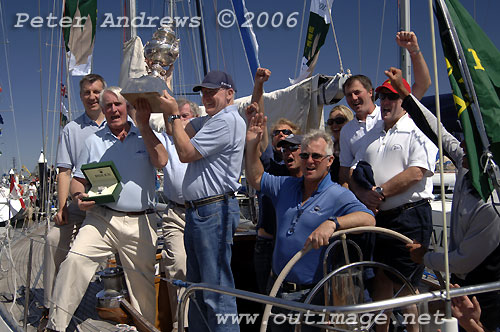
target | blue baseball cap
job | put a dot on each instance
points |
(216, 79)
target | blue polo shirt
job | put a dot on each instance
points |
(329, 200)
(132, 161)
(72, 140)
(220, 139)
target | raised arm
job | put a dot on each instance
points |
(409, 41)
(253, 166)
(261, 76)
(424, 119)
(185, 149)
(156, 150)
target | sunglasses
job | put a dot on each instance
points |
(291, 148)
(338, 120)
(315, 156)
(390, 96)
(283, 131)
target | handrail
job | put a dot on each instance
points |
(347, 309)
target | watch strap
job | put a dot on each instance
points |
(336, 222)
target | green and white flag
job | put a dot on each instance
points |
(79, 38)
(479, 59)
(317, 29)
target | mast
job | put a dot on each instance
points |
(404, 25)
(131, 31)
(201, 30)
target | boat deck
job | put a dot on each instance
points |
(13, 278)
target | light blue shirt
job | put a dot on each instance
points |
(173, 173)
(132, 161)
(72, 140)
(330, 200)
(220, 139)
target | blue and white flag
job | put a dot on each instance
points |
(247, 35)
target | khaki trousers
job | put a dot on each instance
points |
(57, 245)
(174, 254)
(104, 233)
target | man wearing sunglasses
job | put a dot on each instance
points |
(358, 92)
(309, 209)
(474, 250)
(402, 159)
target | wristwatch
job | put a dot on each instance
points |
(171, 118)
(336, 222)
(380, 191)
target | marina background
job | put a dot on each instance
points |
(365, 30)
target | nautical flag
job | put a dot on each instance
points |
(247, 35)
(16, 191)
(64, 91)
(479, 59)
(319, 23)
(63, 116)
(79, 38)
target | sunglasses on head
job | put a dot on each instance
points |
(315, 156)
(290, 147)
(390, 96)
(338, 120)
(284, 131)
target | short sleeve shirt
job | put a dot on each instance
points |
(220, 139)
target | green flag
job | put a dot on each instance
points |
(481, 59)
(317, 29)
(79, 38)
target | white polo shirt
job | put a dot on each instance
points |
(351, 134)
(390, 153)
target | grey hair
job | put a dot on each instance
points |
(116, 90)
(315, 135)
(195, 109)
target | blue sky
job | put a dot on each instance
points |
(365, 31)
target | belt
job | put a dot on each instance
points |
(132, 213)
(290, 287)
(209, 200)
(179, 205)
(403, 207)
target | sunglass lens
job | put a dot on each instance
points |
(304, 155)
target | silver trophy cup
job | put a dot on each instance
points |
(161, 51)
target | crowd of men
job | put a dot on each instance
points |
(384, 168)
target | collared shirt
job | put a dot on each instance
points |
(173, 173)
(390, 153)
(132, 161)
(352, 132)
(73, 137)
(220, 139)
(296, 221)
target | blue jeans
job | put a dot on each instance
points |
(208, 238)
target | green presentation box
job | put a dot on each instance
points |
(104, 180)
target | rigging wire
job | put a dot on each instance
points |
(335, 36)
(7, 69)
(300, 40)
(380, 42)
(244, 50)
(359, 36)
